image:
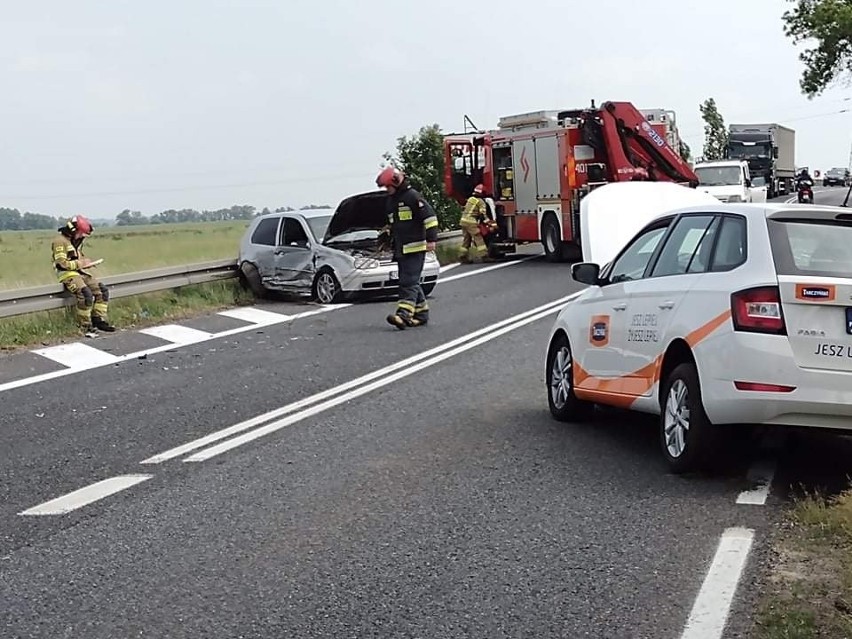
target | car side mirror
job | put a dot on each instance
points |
(586, 273)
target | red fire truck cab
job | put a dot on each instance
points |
(538, 166)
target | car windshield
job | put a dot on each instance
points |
(718, 175)
(319, 225)
(812, 247)
(354, 236)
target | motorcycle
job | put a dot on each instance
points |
(805, 191)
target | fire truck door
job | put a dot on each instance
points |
(524, 176)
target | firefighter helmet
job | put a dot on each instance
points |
(478, 189)
(79, 224)
(390, 176)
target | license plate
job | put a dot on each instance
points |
(848, 321)
(393, 276)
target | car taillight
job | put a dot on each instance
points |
(758, 310)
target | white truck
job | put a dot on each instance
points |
(729, 181)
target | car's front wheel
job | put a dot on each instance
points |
(563, 403)
(326, 288)
(428, 288)
(686, 434)
(250, 277)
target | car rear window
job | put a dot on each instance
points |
(811, 247)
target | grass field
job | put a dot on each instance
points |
(125, 249)
(809, 592)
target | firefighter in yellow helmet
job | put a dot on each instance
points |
(475, 212)
(70, 264)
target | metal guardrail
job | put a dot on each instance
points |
(54, 296)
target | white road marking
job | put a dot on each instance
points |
(254, 315)
(79, 367)
(181, 335)
(86, 496)
(449, 267)
(363, 390)
(712, 606)
(18, 383)
(794, 199)
(760, 473)
(485, 269)
(77, 355)
(331, 392)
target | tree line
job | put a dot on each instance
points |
(14, 220)
(182, 216)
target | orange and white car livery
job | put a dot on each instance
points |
(713, 314)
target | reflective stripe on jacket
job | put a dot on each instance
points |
(412, 220)
(65, 256)
(474, 210)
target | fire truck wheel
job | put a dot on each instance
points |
(551, 238)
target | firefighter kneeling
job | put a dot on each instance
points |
(475, 224)
(413, 230)
(92, 296)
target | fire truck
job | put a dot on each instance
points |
(538, 166)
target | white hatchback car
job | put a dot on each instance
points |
(714, 314)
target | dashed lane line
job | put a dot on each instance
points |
(761, 474)
(85, 496)
(762, 471)
(713, 604)
(485, 269)
(76, 354)
(181, 335)
(253, 315)
(90, 365)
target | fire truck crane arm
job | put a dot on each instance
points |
(635, 147)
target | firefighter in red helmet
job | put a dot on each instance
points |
(412, 230)
(71, 264)
(475, 213)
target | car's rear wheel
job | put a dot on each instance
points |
(686, 434)
(563, 403)
(326, 288)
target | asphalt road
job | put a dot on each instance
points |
(444, 503)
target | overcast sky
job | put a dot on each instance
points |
(204, 104)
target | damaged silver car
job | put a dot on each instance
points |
(327, 255)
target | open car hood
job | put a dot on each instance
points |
(361, 212)
(612, 214)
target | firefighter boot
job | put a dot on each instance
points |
(421, 313)
(102, 325)
(397, 320)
